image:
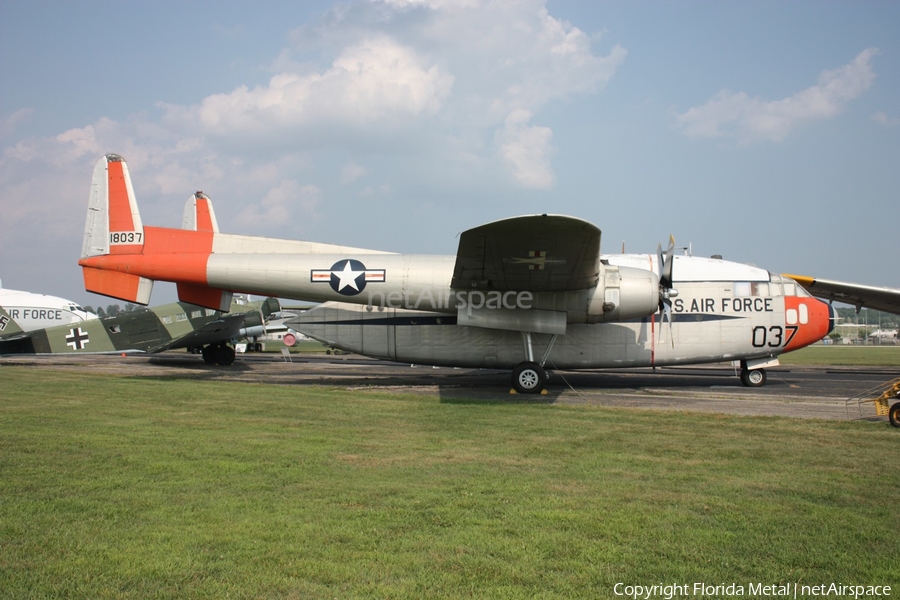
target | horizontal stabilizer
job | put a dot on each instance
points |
(119, 285)
(206, 297)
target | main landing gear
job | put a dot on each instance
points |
(529, 377)
(218, 354)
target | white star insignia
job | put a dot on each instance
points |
(347, 276)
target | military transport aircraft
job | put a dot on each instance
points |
(28, 311)
(522, 293)
(151, 330)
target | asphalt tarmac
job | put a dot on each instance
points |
(797, 392)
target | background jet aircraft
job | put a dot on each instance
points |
(521, 293)
(151, 330)
(35, 311)
(860, 296)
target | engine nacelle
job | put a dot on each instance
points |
(624, 293)
(254, 325)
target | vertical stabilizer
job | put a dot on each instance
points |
(113, 224)
(199, 214)
(113, 227)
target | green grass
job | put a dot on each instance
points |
(150, 488)
(872, 356)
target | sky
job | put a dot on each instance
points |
(766, 132)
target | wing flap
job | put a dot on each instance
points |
(539, 253)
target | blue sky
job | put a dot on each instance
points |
(768, 132)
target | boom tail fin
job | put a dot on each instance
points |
(113, 227)
(199, 214)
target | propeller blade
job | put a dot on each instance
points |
(666, 261)
(665, 267)
(667, 316)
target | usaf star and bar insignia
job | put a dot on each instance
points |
(347, 276)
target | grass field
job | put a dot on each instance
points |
(116, 487)
(874, 356)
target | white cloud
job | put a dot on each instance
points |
(527, 149)
(881, 118)
(281, 204)
(8, 124)
(405, 71)
(372, 80)
(730, 114)
(351, 171)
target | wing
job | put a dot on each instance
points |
(877, 298)
(540, 253)
(224, 329)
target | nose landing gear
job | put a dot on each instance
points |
(753, 377)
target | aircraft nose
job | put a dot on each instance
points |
(810, 318)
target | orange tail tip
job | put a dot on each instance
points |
(199, 214)
(116, 284)
(205, 296)
(113, 224)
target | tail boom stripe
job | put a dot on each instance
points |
(168, 255)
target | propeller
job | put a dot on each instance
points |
(666, 291)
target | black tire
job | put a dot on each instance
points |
(753, 377)
(209, 354)
(224, 355)
(529, 378)
(894, 414)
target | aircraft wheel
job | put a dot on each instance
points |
(529, 378)
(753, 377)
(209, 354)
(225, 355)
(894, 414)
